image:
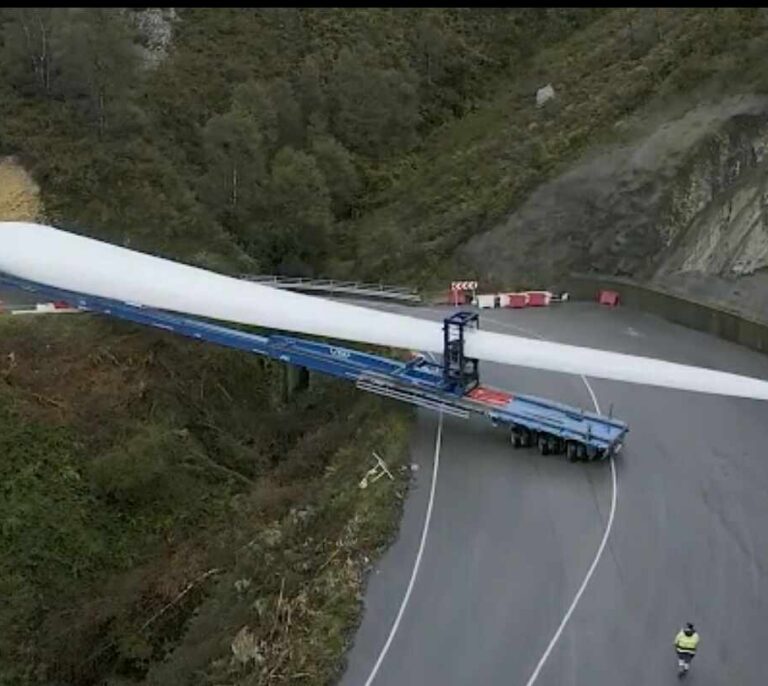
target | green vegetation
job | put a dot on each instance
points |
(367, 143)
(258, 134)
(471, 173)
(144, 475)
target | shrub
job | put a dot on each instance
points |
(137, 472)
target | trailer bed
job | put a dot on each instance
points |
(422, 381)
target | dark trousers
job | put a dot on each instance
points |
(685, 657)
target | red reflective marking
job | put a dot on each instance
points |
(489, 395)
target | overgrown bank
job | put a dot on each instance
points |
(169, 516)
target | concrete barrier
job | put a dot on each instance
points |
(694, 314)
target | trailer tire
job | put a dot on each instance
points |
(526, 439)
(581, 453)
(543, 444)
(516, 438)
(571, 450)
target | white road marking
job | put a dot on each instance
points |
(417, 563)
(584, 584)
(606, 534)
(603, 542)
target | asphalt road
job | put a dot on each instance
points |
(11, 298)
(513, 533)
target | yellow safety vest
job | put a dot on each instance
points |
(687, 644)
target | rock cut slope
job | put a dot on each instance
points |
(682, 206)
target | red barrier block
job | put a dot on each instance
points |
(538, 299)
(517, 300)
(610, 298)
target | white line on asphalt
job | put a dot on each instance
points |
(603, 543)
(584, 584)
(417, 563)
(593, 566)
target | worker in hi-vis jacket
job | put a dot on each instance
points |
(686, 643)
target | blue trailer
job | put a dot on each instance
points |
(451, 385)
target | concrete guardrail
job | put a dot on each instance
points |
(695, 314)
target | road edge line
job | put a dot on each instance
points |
(606, 533)
(417, 562)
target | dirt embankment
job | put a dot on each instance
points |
(681, 205)
(19, 194)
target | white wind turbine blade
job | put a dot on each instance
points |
(57, 258)
(604, 364)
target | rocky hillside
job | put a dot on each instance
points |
(645, 163)
(682, 207)
(685, 199)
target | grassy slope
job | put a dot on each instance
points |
(475, 171)
(127, 456)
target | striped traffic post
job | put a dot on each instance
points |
(457, 286)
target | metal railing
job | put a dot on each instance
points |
(332, 286)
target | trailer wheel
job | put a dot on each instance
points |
(543, 445)
(516, 439)
(581, 453)
(526, 438)
(571, 450)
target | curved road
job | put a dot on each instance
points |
(513, 534)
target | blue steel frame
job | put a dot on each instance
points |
(461, 374)
(436, 386)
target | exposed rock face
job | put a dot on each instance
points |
(155, 25)
(544, 95)
(684, 207)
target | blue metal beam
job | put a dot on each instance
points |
(418, 381)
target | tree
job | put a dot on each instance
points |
(99, 61)
(290, 127)
(28, 38)
(274, 108)
(254, 99)
(445, 68)
(310, 90)
(375, 110)
(298, 212)
(338, 168)
(431, 44)
(236, 164)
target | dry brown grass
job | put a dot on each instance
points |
(19, 194)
